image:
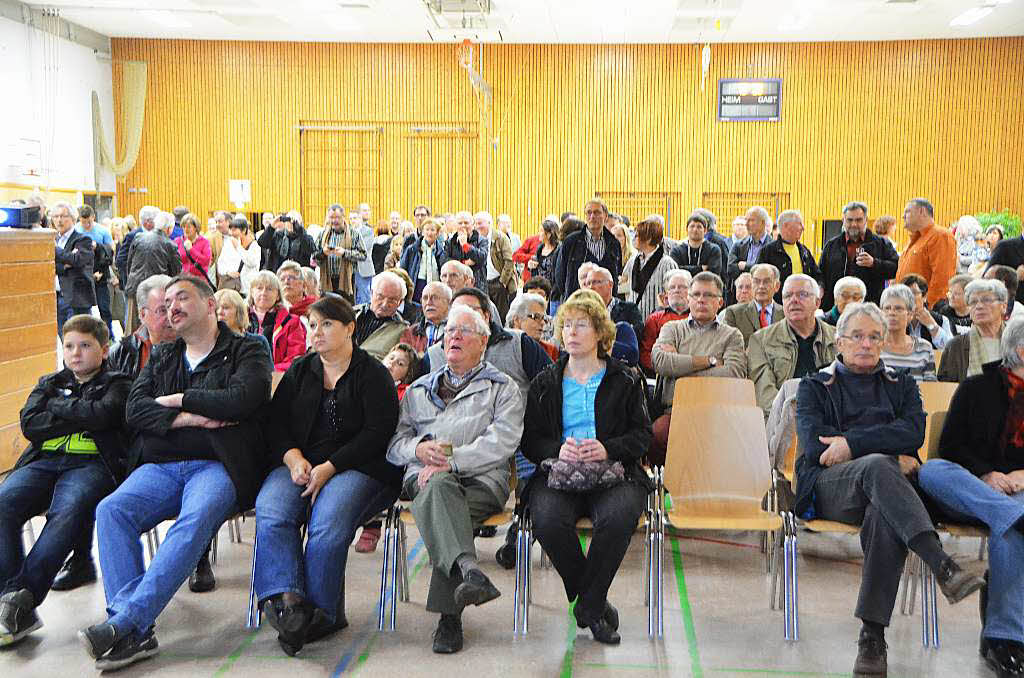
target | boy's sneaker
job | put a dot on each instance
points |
(99, 638)
(128, 650)
(18, 616)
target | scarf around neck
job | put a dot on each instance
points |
(641, 275)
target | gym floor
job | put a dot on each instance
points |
(717, 622)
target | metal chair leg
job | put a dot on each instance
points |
(213, 549)
(29, 530)
(929, 609)
(384, 568)
(254, 616)
(404, 562)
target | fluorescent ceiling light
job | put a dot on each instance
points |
(971, 16)
(166, 18)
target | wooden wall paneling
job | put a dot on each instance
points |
(12, 444)
(878, 121)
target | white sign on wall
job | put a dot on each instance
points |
(240, 191)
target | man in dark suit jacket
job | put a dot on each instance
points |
(782, 251)
(859, 253)
(73, 259)
(754, 315)
(581, 246)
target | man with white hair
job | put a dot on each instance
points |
(796, 348)
(676, 306)
(379, 326)
(457, 429)
(465, 246)
(859, 253)
(73, 260)
(501, 270)
(787, 253)
(456, 275)
(151, 253)
(600, 280)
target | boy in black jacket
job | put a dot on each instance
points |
(74, 421)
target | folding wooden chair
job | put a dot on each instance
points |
(714, 391)
(717, 473)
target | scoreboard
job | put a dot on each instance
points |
(749, 99)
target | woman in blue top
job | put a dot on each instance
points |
(587, 407)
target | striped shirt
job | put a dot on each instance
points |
(919, 363)
(594, 245)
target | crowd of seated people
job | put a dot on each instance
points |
(434, 359)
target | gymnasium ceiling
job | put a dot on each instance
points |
(545, 21)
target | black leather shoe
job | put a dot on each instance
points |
(320, 628)
(610, 615)
(604, 633)
(475, 589)
(448, 634)
(871, 655)
(956, 583)
(1005, 658)
(202, 580)
(75, 573)
(291, 622)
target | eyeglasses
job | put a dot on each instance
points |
(858, 338)
(461, 330)
(577, 325)
(697, 296)
(286, 279)
(390, 300)
(540, 317)
(802, 295)
(889, 308)
(982, 300)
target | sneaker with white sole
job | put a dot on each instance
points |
(18, 616)
(131, 648)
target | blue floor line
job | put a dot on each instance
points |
(360, 640)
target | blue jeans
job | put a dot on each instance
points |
(967, 498)
(65, 310)
(67, 488)
(362, 289)
(345, 502)
(199, 493)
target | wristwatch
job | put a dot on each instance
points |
(712, 361)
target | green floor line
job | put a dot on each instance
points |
(641, 667)
(570, 641)
(684, 604)
(233, 657)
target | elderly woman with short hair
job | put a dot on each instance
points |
(587, 408)
(847, 290)
(267, 316)
(859, 426)
(965, 355)
(902, 351)
(526, 313)
(980, 477)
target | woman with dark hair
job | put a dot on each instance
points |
(647, 268)
(543, 262)
(335, 411)
(587, 409)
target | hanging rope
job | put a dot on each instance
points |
(133, 112)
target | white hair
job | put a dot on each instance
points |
(1012, 339)
(771, 268)
(850, 281)
(163, 221)
(671, 274)
(521, 304)
(762, 214)
(480, 324)
(801, 277)
(464, 270)
(866, 308)
(445, 290)
(388, 277)
(146, 287)
(485, 215)
(64, 205)
(789, 215)
(147, 215)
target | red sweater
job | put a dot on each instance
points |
(652, 328)
(525, 253)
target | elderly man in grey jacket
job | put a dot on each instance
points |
(457, 429)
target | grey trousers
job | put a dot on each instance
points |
(446, 511)
(872, 492)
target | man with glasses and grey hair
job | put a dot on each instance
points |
(796, 348)
(859, 253)
(859, 427)
(378, 323)
(762, 311)
(457, 429)
(787, 253)
(73, 260)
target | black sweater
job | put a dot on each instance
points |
(366, 407)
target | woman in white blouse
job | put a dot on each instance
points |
(239, 259)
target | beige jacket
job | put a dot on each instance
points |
(721, 341)
(771, 357)
(744, 317)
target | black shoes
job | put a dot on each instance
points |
(99, 638)
(871, 655)
(75, 573)
(291, 621)
(320, 628)
(610, 615)
(506, 554)
(448, 634)
(18, 616)
(486, 531)
(202, 580)
(955, 583)
(1005, 658)
(604, 633)
(475, 589)
(131, 648)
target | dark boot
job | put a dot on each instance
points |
(202, 580)
(871, 654)
(76, 572)
(448, 634)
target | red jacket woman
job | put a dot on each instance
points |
(194, 250)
